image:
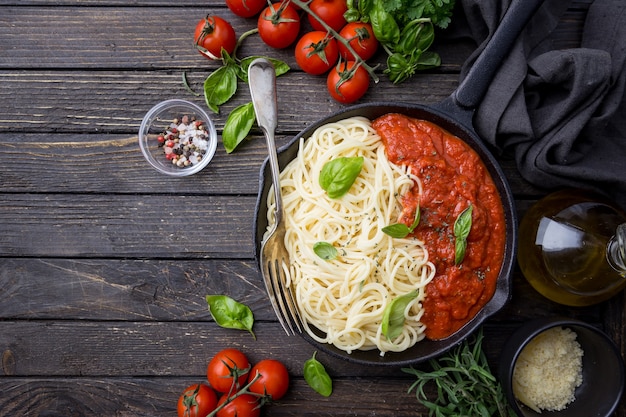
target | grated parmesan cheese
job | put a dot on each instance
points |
(548, 370)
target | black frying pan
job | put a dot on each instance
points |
(455, 115)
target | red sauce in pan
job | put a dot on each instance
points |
(452, 176)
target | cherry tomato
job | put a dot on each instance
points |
(198, 400)
(212, 34)
(228, 365)
(245, 405)
(347, 82)
(330, 11)
(316, 52)
(279, 25)
(246, 8)
(361, 38)
(273, 378)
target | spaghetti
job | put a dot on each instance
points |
(345, 297)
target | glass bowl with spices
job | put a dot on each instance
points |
(564, 367)
(177, 137)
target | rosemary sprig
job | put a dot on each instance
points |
(465, 384)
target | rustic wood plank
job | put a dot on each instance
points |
(156, 397)
(122, 226)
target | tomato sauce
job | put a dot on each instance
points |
(452, 176)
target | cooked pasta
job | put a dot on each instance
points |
(345, 297)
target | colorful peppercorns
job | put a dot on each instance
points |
(185, 142)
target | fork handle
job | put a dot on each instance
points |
(262, 82)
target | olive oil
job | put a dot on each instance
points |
(572, 247)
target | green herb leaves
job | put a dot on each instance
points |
(462, 227)
(229, 313)
(237, 126)
(325, 250)
(338, 175)
(465, 384)
(316, 376)
(393, 316)
(406, 30)
(401, 230)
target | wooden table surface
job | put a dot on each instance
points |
(104, 263)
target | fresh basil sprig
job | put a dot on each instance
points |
(401, 230)
(325, 250)
(462, 227)
(316, 376)
(338, 175)
(406, 29)
(237, 126)
(393, 316)
(230, 314)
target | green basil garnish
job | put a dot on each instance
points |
(338, 175)
(220, 86)
(316, 376)
(237, 126)
(401, 230)
(393, 316)
(230, 314)
(325, 250)
(280, 67)
(462, 227)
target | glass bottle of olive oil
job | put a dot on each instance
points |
(572, 247)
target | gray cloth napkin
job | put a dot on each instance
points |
(561, 113)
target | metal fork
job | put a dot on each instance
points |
(274, 255)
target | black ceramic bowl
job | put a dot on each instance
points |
(602, 369)
(426, 349)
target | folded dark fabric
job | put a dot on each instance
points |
(561, 113)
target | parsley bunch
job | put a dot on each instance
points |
(405, 29)
(465, 384)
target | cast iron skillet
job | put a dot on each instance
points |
(455, 115)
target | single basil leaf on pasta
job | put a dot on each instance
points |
(393, 316)
(338, 175)
(325, 250)
(397, 230)
(316, 376)
(462, 227)
(401, 230)
(230, 314)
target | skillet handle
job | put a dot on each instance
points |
(473, 88)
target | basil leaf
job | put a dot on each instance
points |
(462, 227)
(230, 314)
(384, 26)
(280, 67)
(338, 175)
(397, 230)
(316, 376)
(237, 126)
(427, 60)
(401, 230)
(325, 250)
(220, 86)
(393, 316)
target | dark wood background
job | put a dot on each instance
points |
(104, 264)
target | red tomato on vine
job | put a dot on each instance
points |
(316, 52)
(245, 405)
(330, 11)
(228, 370)
(246, 8)
(361, 38)
(270, 378)
(197, 400)
(212, 34)
(279, 25)
(347, 82)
